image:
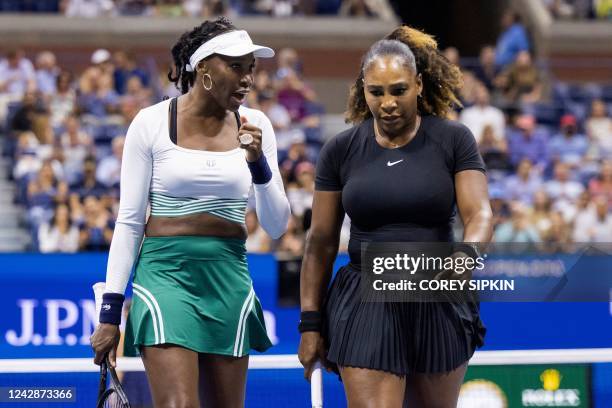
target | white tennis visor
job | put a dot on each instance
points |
(233, 44)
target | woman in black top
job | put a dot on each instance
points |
(398, 174)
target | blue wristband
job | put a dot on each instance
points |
(112, 306)
(260, 171)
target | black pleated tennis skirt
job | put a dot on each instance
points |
(397, 337)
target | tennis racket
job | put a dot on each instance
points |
(316, 386)
(113, 396)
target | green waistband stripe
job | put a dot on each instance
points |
(229, 208)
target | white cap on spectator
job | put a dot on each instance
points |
(233, 44)
(99, 56)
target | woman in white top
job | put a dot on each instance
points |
(194, 159)
(59, 235)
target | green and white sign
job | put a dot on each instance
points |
(525, 386)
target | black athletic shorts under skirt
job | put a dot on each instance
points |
(397, 337)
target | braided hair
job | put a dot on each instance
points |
(189, 42)
(441, 79)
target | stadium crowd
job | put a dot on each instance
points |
(547, 145)
(200, 8)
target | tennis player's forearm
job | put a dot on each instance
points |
(479, 227)
(317, 266)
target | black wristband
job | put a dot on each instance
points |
(112, 306)
(260, 170)
(467, 248)
(310, 321)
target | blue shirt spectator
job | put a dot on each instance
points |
(528, 142)
(523, 185)
(568, 147)
(511, 41)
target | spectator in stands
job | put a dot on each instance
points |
(41, 194)
(169, 8)
(96, 232)
(77, 145)
(17, 77)
(357, 8)
(512, 40)
(521, 81)
(137, 93)
(60, 234)
(24, 117)
(301, 192)
(468, 91)
(594, 225)
(258, 241)
(47, 72)
(482, 113)
(287, 61)
(292, 242)
(109, 169)
(125, 67)
(599, 129)
(63, 101)
(602, 184)
(97, 98)
(452, 55)
(297, 154)
(559, 237)
(523, 185)
(564, 191)
(494, 154)
(279, 116)
(518, 229)
(261, 83)
(101, 59)
(541, 215)
(499, 206)
(87, 8)
(569, 146)
(291, 94)
(486, 70)
(134, 7)
(87, 185)
(526, 141)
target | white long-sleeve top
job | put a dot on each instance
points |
(178, 181)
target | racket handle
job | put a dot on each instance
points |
(316, 386)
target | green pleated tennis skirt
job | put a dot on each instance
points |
(195, 292)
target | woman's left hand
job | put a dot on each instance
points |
(253, 149)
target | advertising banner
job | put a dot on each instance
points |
(525, 386)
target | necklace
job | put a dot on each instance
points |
(386, 143)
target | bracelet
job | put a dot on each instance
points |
(310, 321)
(112, 306)
(260, 171)
(467, 248)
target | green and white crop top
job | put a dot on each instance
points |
(177, 181)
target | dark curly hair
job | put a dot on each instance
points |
(189, 42)
(441, 79)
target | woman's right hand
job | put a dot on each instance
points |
(311, 349)
(105, 341)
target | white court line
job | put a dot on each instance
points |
(287, 361)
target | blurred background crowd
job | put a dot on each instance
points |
(547, 144)
(200, 8)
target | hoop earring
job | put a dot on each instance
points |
(208, 88)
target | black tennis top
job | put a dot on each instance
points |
(405, 194)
